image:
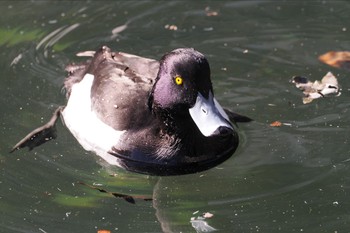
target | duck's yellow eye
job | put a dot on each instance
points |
(178, 80)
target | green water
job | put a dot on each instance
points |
(292, 178)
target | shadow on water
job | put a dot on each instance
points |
(281, 179)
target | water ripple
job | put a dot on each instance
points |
(53, 37)
(286, 189)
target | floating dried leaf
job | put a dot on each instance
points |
(339, 59)
(314, 90)
(103, 231)
(208, 215)
(276, 124)
(202, 226)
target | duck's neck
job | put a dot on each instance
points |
(176, 123)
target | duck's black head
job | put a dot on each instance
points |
(183, 88)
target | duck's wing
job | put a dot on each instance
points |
(133, 67)
(142, 67)
(139, 65)
(121, 86)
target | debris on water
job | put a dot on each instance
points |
(86, 54)
(313, 90)
(103, 231)
(276, 124)
(119, 29)
(41, 230)
(279, 124)
(97, 184)
(16, 59)
(339, 59)
(171, 27)
(199, 223)
(210, 12)
(208, 215)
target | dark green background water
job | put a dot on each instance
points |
(281, 179)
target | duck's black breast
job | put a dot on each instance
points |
(174, 156)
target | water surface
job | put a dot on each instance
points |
(281, 179)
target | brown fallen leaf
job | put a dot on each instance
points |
(339, 59)
(103, 231)
(276, 124)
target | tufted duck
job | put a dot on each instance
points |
(148, 116)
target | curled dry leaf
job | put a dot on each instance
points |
(339, 59)
(314, 90)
